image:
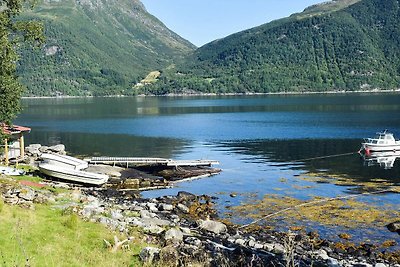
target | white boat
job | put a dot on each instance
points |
(65, 161)
(71, 174)
(70, 168)
(384, 141)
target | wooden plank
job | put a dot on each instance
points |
(160, 161)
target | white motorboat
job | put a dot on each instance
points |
(384, 141)
(65, 161)
(70, 174)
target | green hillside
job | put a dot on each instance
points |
(96, 47)
(338, 45)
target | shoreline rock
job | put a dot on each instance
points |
(194, 234)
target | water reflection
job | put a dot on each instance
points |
(385, 160)
(308, 155)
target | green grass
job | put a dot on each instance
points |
(46, 237)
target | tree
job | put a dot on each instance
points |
(14, 33)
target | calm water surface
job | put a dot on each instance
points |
(259, 140)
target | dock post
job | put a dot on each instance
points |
(6, 151)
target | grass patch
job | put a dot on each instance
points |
(1, 204)
(46, 237)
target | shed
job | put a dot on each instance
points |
(14, 144)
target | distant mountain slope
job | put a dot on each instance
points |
(97, 47)
(338, 45)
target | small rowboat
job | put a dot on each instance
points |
(70, 169)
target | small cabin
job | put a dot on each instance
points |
(14, 143)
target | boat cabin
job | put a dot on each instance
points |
(14, 143)
(383, 138)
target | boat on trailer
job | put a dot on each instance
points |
(383, 141)
(70, 169)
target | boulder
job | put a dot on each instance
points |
(186, 196)
(33, 150)
(169, 256)
(394, 227)
(58, 148)
(166, 207)
(212, 226)
(175, 235)
(43, 149)
(27, 194)
(183, 208)
(149, 255)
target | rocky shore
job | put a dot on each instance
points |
(185, 230)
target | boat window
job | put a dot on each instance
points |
(381, 142)
(389, 137)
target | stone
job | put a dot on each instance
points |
(149, 254)
(174, 234)
(27, 194)
(240, 241)
(186, 196)
(278, 249)
(183, 208)
(33, 150)
(57, 148)
(380, 265)
(43, 149)
(155, 221)
(169, 256)
(394, 227)
(212, 226)
(153, 229)
(152, 207)
(252, 243)
(166, 207)
(321, 254)
(185, 231)
(145, 214)
(194, 241)
(331, 262)
(116, 215)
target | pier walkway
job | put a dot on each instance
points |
(132, 161)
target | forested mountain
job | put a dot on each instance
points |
(337, 45)
(96, 47)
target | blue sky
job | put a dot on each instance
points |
(202, 21)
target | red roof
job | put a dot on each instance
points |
(15, 129)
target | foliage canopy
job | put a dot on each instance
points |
(12, 34)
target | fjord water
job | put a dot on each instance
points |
(259, 140)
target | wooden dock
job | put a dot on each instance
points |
(132, 161)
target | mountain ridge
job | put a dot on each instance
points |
(339, 45)
(97, 47)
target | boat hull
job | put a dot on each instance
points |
(73, 175)
(65, 161)
(380, 148)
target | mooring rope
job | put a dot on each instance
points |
(325, 157)
(315, 202)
